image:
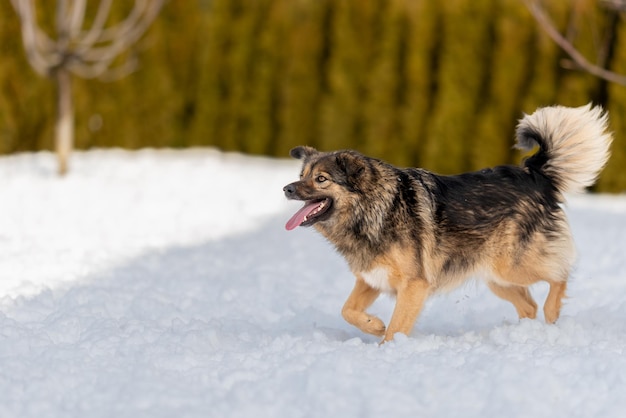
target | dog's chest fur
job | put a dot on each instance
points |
(378, 278)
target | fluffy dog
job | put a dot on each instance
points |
(412, 233)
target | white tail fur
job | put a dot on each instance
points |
(574, 144)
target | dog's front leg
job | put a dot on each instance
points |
(410, 300)
(362, 296)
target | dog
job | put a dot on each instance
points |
(412, 233)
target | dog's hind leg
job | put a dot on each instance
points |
(409, 303)
(362, 296)
(552, 307)
(519, 296)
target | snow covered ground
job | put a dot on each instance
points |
(163, 284)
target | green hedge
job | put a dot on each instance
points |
(417, 82)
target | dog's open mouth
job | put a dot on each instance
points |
(309, 214)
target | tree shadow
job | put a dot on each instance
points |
(259, 284)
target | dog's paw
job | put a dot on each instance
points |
(374, 326)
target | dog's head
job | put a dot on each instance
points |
(328, 183)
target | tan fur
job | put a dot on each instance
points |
(410, 291)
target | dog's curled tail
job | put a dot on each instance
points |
(573, 144)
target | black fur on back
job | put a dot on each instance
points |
(470, 206)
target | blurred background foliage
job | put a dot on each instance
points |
(416, 82)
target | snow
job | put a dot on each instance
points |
(163, 283)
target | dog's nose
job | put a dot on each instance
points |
(289, 190)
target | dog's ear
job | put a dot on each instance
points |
(302, 152)
(352, 165)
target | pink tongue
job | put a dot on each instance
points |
(299, 216)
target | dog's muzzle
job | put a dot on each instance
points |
(290, 191)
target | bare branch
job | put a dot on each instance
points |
(40, 49)
(88, 53)
(96, 60)
(126, 33)
(76, 17)
(87, 39)
(618, 5)
(548, 26)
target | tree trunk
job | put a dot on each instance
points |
(64, 126)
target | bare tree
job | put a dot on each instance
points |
(562, 41)
(99, 51)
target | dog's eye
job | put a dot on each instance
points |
(320, 179)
